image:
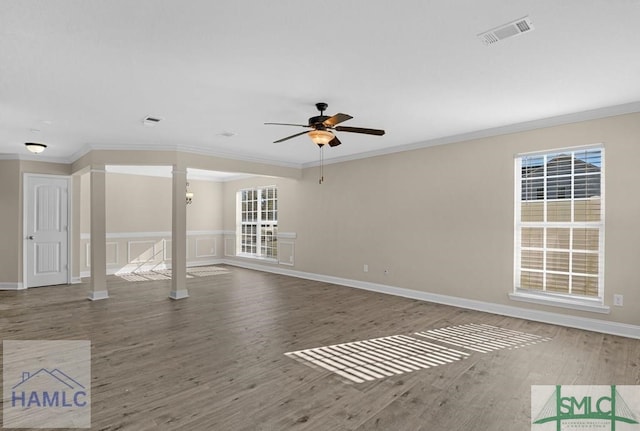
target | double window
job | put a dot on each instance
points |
(257, 229)
(559, 224)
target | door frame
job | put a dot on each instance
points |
(25, 202)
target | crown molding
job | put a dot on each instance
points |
(594, 114)
(576, 117)
(183, 149)
(33, 158)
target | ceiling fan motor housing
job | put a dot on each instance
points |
(324, 123)
(317, 121)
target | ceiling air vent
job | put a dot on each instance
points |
(151, 121)
(515, 28)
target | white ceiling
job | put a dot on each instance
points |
(86, 73)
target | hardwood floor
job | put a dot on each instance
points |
(216, 361)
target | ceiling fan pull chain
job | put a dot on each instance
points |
(320, 181)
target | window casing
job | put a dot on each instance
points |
(257, 227)
(559, 224)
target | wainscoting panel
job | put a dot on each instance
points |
(129, 252)
(230, 246)
(142, 251)
(286, 252)
(112, 253)
(167, 249)
(206, 247)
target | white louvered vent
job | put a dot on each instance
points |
(515, 28)
(151, 121)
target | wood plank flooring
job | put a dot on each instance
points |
(215, 361)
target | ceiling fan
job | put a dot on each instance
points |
(322, 125)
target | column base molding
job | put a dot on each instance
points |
(179, 294)
(97, 295)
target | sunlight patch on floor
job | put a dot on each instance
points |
(482, 338)
(377, 358)
(165, 274)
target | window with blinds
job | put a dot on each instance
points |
(258, 222)
(560, 223)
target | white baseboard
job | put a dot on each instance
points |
(596, 325)
(12, 286)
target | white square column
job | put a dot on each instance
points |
(98, 234)
(179, 234)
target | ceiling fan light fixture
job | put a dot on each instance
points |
(321, 137)
(35, 147)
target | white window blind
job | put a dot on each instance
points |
(258, 222)
(559, 226)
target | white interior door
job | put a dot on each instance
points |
(46, 230)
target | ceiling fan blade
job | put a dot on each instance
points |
(286, 124)
(289, 137)
(336, 119)
(376, 132)
(334, 142)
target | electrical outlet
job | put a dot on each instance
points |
(386, 272)
(618, 300)
(365, 268)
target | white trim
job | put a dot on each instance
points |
(179, 294)
(563, 149)
(254, 257)
(561, 301)
(205, 232)
(286, 235)
(34, 158)
(577, 117)
(184, 149)
(167, 234)
(98, 295)
(585, 323)
(12, 286)
(166, 247)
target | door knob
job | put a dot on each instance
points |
(30, 237)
